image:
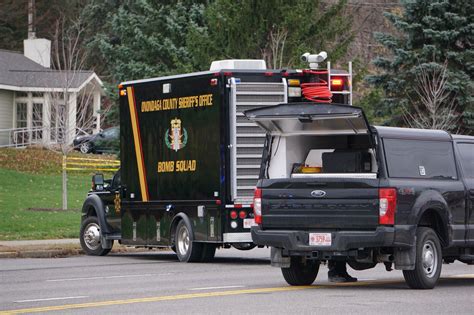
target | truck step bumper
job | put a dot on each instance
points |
(341, 240)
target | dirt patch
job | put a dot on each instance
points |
(56, 251)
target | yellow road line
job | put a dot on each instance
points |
(466, 276)
(153, 299)
(210, 294)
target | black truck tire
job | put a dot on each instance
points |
(299, 272)
(186, 249)
(90, 238)
(85, 147)
(428, 261)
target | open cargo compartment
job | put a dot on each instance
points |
(308, 140)
(319, 168)
(329, 156)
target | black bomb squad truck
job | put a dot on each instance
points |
(332, 187)
(190, 159)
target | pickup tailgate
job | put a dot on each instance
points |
(320, 203)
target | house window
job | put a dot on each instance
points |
(21, 94)
(21, 115)
(37, 121)
(20, 136)
(58, 115)
(38, 94)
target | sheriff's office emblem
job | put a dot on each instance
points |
(117, 203)
(178, 137)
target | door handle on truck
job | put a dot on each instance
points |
(471, 193)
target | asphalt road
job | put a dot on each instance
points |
(235, 283)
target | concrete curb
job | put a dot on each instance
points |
(40, 253)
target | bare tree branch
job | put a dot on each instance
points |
(70, 109)
(434, 107)
(274, 51)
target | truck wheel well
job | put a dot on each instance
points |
(432, 219)
(174, 225)
(91, 212)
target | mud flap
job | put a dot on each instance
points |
(105, 243)
(277, 258)
(405, 258)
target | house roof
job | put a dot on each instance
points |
(19, 73)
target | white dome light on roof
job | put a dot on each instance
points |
(238, 64)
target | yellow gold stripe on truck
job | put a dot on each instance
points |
(138, 144)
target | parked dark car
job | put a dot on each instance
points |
(334, 188)
(106, 141)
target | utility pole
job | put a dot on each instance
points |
(31, 19)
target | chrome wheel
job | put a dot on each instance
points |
(429, 258)
(186, 249)
(91, 236)
(183, 240)
(85, 147)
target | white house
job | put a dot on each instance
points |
(32, 106)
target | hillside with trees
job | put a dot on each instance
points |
(413, 60)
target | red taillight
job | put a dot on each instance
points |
(257, 205)
(242, 214)
(213, 82)
(387, 205)
(337, 84)
(233, 214)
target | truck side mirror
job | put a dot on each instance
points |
(98, 182)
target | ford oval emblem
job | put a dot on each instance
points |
(318, 193)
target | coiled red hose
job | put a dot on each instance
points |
(316, 91)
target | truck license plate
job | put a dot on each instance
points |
(320, 239)
(248, 223)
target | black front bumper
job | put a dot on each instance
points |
(382, 236)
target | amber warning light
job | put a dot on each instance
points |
(337, 84)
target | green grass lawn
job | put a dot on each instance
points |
(20, 191)
(31, 179)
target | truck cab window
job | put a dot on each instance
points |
(116, 180)
(419, 159)
(466, 152)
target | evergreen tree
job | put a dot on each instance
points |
(430, 33)
(143, 38)
(140, 39)
(276, 30)
(146, 38)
